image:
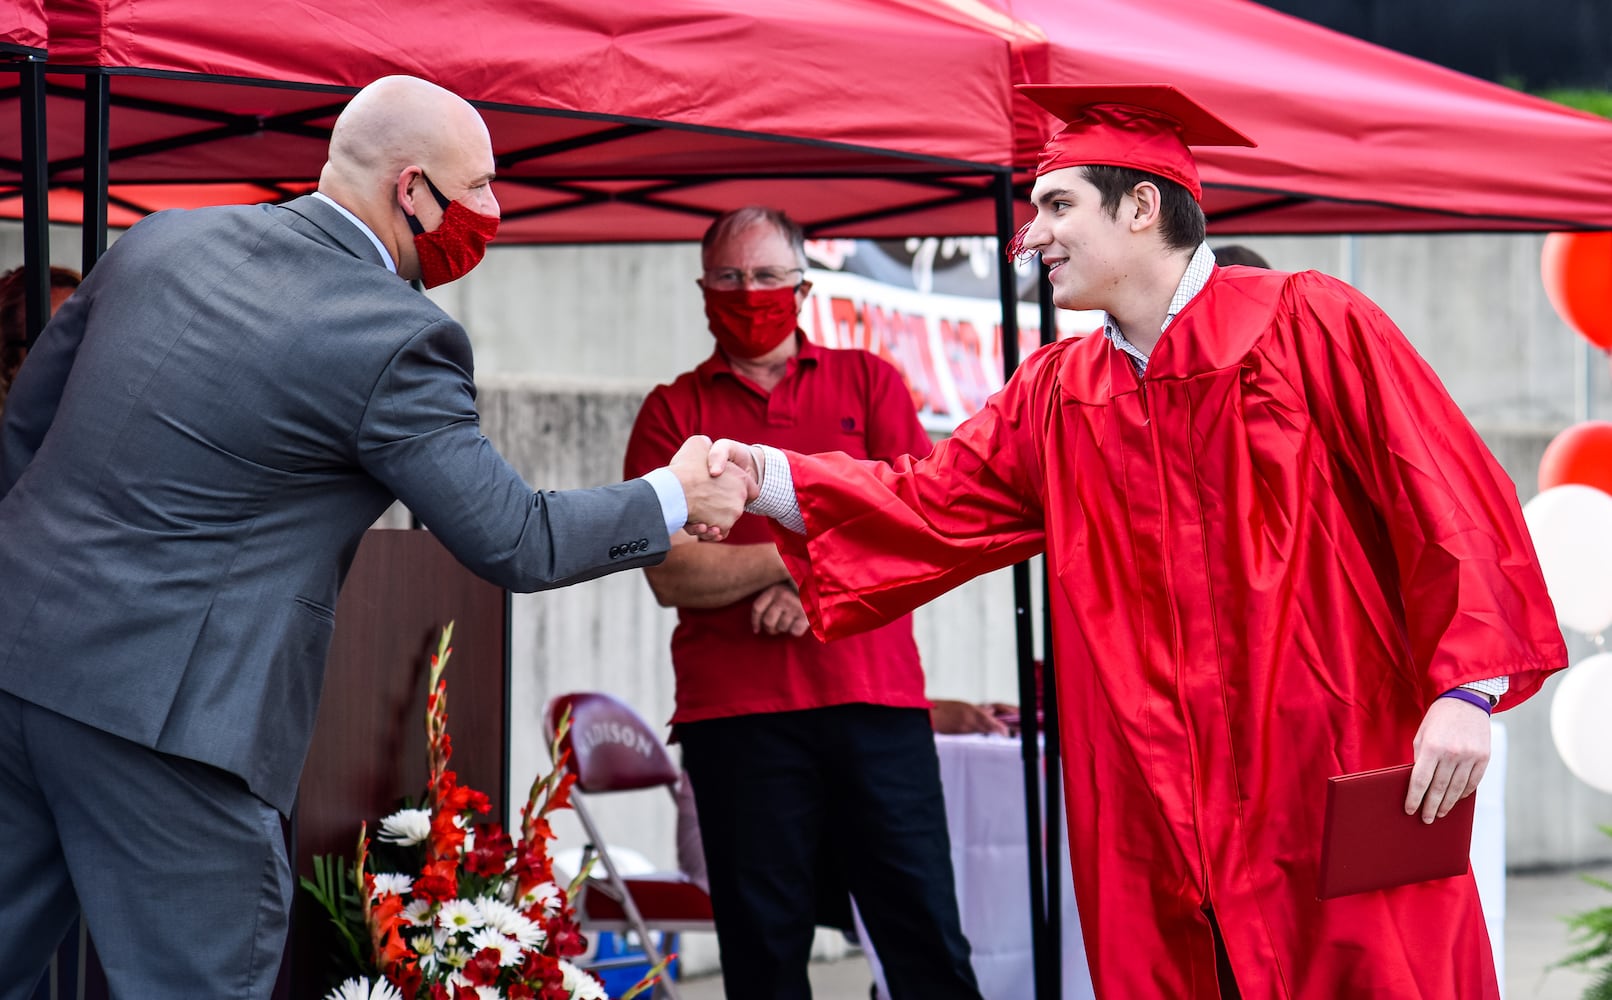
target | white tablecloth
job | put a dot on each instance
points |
(984, 781)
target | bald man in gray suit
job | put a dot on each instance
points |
(188, 461)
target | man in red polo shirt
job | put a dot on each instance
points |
(808, 759)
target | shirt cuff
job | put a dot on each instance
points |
(1492, 688)
(673, 504)
(777, 499)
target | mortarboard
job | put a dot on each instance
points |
(1145, 126)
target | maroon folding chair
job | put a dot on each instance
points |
(614, 750)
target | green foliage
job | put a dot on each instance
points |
(1596, 102)
(1591, 932)
(337, 891)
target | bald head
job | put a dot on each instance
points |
(393, 123)
(392, 132)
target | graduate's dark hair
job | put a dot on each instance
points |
(1181, 221)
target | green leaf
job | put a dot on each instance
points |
(338, 894)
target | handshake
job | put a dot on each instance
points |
(718, 480)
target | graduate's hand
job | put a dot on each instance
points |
(714, 501)
(778, 611)
(727, 452)
(1452, 752)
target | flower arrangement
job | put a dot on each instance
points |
(481, 917)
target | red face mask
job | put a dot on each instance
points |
(452, 249)
(749, 322)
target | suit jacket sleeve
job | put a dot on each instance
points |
(31, 404)
(420, 437)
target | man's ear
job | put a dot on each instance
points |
(1148, 204)
(405, 187)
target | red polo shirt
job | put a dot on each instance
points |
(829, 400)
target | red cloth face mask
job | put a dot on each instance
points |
(452, 249)
(749, 322)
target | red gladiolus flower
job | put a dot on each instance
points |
(447, 837)
(439, 992)
(406, 978)
(519, 991)
(562, 793)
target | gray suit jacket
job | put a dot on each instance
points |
(192, 453)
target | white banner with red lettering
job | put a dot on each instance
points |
(948, 347)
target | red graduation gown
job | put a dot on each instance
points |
(1268, 556)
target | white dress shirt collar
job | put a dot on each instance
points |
(386, 258)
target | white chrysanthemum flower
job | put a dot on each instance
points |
(406, 826)
(488, 993)
(581, 985)
(546, 893)
(459, 915)
(360, 989)
(507, 920)
(455, 957)
(418, 913)
(509, 951)
(391, 884)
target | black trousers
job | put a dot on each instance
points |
(785, 797)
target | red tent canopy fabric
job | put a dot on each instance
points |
(860, 117)
(610, 124)
(23, 28)
(1352, 137)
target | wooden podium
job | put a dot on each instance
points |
(368, 750)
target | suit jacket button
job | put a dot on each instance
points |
(615, 551)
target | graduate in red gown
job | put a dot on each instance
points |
(1278, 553)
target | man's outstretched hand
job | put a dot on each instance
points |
(727, 454)
(715, 499)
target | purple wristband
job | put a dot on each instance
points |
(1471, 698)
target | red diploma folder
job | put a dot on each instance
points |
(1369, 843)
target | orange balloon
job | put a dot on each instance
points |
(1577, 270)
(1581, 454)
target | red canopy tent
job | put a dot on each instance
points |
(610, 124)
(22, 29)
(634, 124)
(1352, 137)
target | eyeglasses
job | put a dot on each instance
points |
(727, 278)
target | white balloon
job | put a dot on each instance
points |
(1578, 720)
(1572, 530)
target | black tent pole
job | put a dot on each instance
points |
(35, 198)
(1052, 843)
(1045, 989)
(97, 138)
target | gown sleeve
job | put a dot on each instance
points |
(1475, 603)
(883, 538)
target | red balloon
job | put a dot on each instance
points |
(1581, 454)
(1577, 270)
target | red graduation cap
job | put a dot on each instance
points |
(1145, 126)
